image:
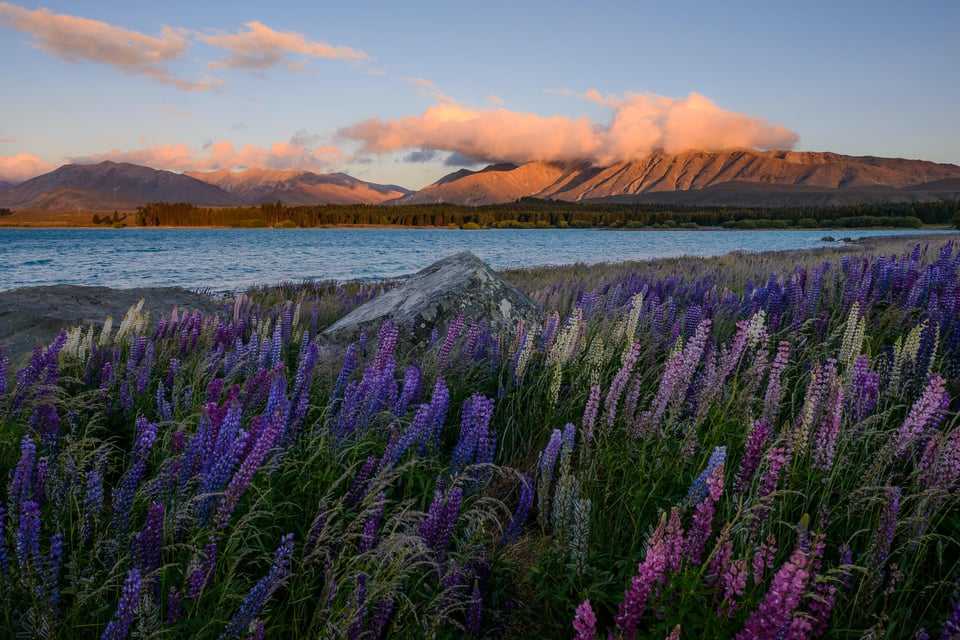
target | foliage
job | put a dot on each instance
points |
(746, 446)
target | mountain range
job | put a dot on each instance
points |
(737, 177)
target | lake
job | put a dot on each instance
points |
(233, 259)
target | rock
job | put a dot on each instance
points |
(431, 298)
(827, 239)
(35, 315)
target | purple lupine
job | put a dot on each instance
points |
(771, 400)
(883, 537)
(261, 592)
(361, 482)
(92, 504)
(453, 330)
(119, 627)
(619, 383)
(368, 539)
(386, 343)
(174, 606)
(123, 495)
(864, 390)
(677, 377)
(27, 542)
(474, 611)
(775, 613)
(201, 569)
(585, 622)
(360, 608)
(21, 485)
(4, 558)
(548, 459)
(477, 443)
(951, 626)
(381, 618)
(441, 519)
(439, 404)
(650, 572)
(412, 383)
(521, 513)
(148, 543)
(821, 608)
(825, 443)
(926, 410)
(699, 489)
(51, 575)
(752, 455)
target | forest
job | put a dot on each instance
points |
(528, 213)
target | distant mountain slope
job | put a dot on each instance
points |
(257, 186)
(105, 180)
(771, 178)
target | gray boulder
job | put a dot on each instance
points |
(431, 298)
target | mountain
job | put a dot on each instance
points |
(4, 185)
(257, 186)
(94, 185)
(736, 177)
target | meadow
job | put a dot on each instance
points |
(750, 446)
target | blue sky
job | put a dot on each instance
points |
(406, 92)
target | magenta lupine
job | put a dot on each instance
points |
(729, 574)
(262, 591)
(673, 542)
(775, 613)
(763, 557)
(821, 608)
(927, 409)
(650, 572)
(619, 383)
(585, 622)
(119, 627)
(771, 400)
(752, 456)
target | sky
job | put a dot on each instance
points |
(406, 92)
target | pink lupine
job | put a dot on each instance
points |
(585, 622)
(774, 615)
(649, 573)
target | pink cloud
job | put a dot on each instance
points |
(73, 39)
(224, 155)
(22, 167)
(259, 48)
(639, 125)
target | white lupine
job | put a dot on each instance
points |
(105, 339)
(595, 360)
(853, 335)
(636, 304)
(756, 331)
(134, 323)
(570, 518)
(905, 351)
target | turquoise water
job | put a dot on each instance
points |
(234, 259)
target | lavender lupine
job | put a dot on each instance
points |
(926, 410)
(476, 443)
(677, 377)
(775, 613)
(883, 537)
(119, 627)
(453, 330)
(585, 622)
(261, 592)
(771, 399)
(548, 459)
(825, 443)
(619, 383)
(201, 569)
(863, 391)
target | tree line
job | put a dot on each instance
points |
(534, 213)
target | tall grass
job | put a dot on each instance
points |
(747, 446)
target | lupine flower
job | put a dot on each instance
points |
(864, 390)
(453, 330)
(360, 608)
(620, 382)
(4, 558)
(699, 489)
(649, 573)
(148, 543)
(412, 381)
(771, 400)
(763, 558)
(774, 615)
(585, 622)
(369, 537)
(119, 627)
(548, 459)
(441, 519)
(123, 495)
(521, 513)
(883, 537)
(677, 377)
(381, 618)
(51, 575)
(752, 456)
(476, 442)
(21, 485)
(4, 361)
(174, 606)
(360, 482)
(821, 608)
(201, 570)
(925, 410)
(825, 443)
(262, 591)
(474, 611)
(28, 537)
(951, 626)
(701, 527)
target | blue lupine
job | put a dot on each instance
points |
(92, 504)
(201, 569)
(119, 627)
(261, 592)
(51, 576)
(276, 347)
(147, 547)
(699, 489)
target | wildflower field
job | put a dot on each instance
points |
(751, 446)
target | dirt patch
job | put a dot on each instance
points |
(35, 315)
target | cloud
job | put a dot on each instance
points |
(8, 140)
(74, 39)
(222, 154)
(260, 48)
(639, 125)
(430, 90)
(22, 167)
